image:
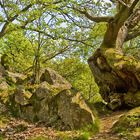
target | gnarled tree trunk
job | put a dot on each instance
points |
(118, 75)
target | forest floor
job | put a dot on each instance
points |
(16, 129)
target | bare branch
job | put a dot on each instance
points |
(132, 35)
(134, 19)
(57, 37)
(56, 2)
(133, 5)
(4, 29)
(2, 4)
(11, 19)
(23, 10)
(79, 41)
(56, 54)
(92, 18)
(42, 32)
(73, 20)
(123, 3)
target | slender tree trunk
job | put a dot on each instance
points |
(36, 63)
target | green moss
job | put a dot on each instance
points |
(132, 99)
(3, 121)
(83, 136)
(35, 119)
(2, 80)
(73, 135)
(39, 138)
(1, 137)
(37, 107)
(128, 124)
(93, 128)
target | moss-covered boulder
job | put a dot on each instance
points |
(66, 110)
(19, 98)
(38, 103)
(2, 71)
(129, 124)
(53, 102)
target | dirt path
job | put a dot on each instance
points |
(17, 129)
(106, 125)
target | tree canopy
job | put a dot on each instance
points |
(43, 32)
(93, 44)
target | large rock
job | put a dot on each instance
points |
(129, 124)
(69, 107)
(3, 108)
(54, 103)
(53, 78)
(66, 110)
(19, 98)
(43, 91)
(115, 100)
(3, 83)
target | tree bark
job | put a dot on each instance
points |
(117, 74)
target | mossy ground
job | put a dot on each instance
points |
(22, 129)
(129, 125)
(14, 128)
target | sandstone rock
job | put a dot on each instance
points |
(27, 112)
(18, 100)
(3, 85)
(4, 95)
(43, 90)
